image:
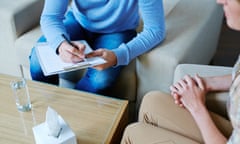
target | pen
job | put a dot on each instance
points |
(69, 42)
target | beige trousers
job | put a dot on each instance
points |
(162, 121)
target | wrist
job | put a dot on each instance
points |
(59, 48)
(208, 83)
(218, 83)
(199, 110)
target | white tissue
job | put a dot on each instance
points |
(54, 130)
(52, 122)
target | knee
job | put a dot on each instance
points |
(151, 103)
(129, 131)
(102, 81)
(100, 85)
(35, 72)
(37, 75)
(152, 96)
(92, 84)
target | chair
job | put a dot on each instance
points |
(193, 29)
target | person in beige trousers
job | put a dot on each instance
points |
(183, 118)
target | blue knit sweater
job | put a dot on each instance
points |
(106, 16)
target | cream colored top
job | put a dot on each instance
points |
(233, 105)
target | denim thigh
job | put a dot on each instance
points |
(99, 81)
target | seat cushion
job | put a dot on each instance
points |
(25, 43)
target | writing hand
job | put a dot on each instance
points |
(71, 53)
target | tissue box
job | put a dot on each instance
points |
(66, 136)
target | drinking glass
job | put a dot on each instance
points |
(21, 95)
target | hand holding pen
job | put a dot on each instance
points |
(71, 52)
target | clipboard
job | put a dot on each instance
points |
(52, 64)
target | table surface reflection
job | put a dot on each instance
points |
(93, 118)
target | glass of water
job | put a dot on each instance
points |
(21, 95)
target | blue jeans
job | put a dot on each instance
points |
(94, 81)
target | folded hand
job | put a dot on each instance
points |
(189, 92)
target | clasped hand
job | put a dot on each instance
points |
(74, 54)
(189, 92)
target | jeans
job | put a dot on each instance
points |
(93, 80)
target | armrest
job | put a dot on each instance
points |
(215, 101)
(192, 37)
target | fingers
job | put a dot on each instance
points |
(72, 53)
(77, 50)
(189, 80)
(177, 99)
(199, 82)
(98, 52)
(176, 96)
(178, 89)
(107, 55)
(180, 85)
(186, 82)
(69, 57)
(188, 90)
(173, 89)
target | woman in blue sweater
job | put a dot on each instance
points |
(109, 26)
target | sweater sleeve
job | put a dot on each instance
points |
(52, 21)
(153, 32)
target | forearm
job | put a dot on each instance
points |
(218, 83)
(153, 33)
(52, 21)
(209, 131)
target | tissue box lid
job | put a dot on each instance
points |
(66, 136)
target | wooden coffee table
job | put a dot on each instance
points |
(93, 118)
